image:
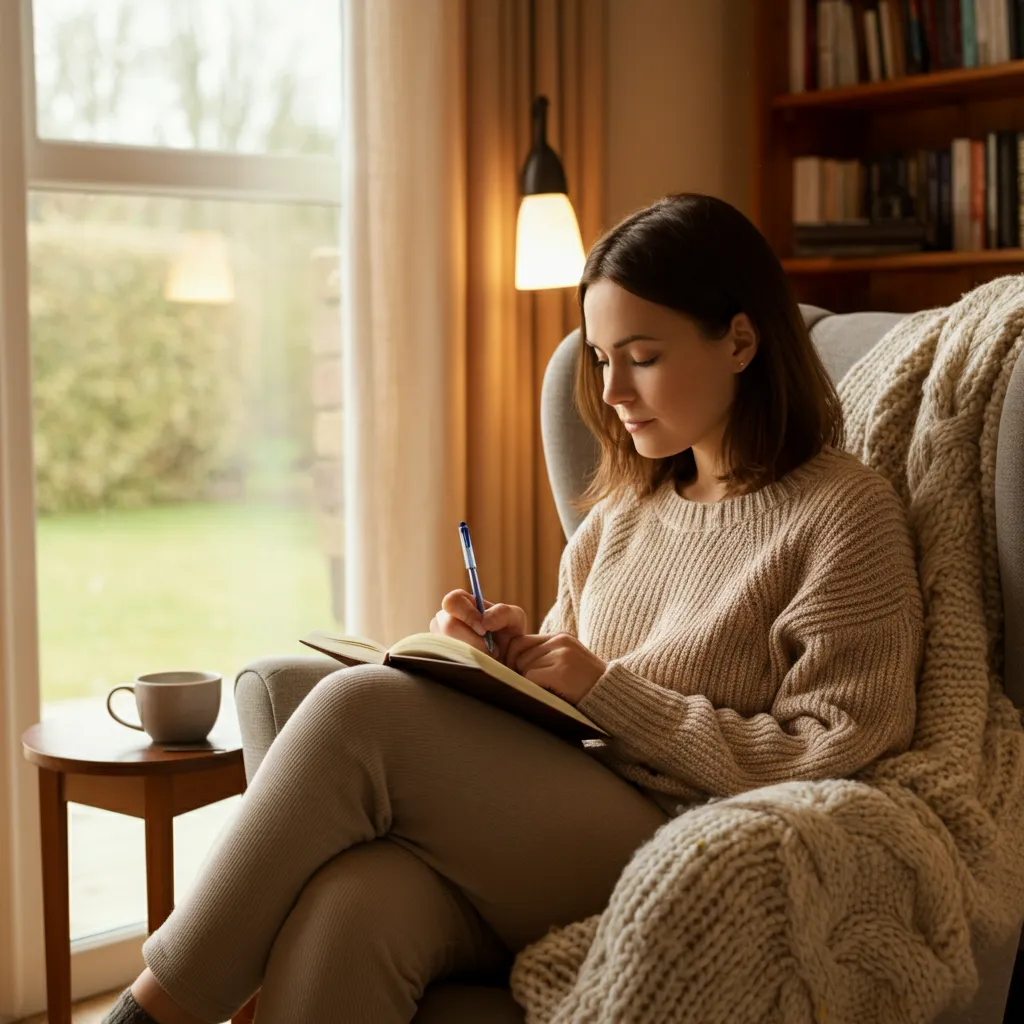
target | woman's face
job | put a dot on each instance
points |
(675, 386)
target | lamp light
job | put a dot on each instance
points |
(549, 249)
(201, 271)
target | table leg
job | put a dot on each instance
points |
(159, 850)
(53, 820)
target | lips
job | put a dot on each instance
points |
(634, 425)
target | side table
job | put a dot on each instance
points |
(87, 758)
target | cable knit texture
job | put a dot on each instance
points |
(762, 648)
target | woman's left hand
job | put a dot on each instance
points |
(556, 661)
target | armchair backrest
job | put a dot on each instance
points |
(841, 339)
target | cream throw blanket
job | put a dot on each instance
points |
(850, 901)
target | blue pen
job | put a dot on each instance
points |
(474, 579)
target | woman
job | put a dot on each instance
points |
(739, 607)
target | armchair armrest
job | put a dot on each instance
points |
(267, 691)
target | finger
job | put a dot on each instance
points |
(534, 655)
(504, 616)
(462, 605)
(454, 627)
(523, 642)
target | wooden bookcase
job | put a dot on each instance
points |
(857, 122)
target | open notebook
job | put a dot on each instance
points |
(463, 667)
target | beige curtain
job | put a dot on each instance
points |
(443, 358)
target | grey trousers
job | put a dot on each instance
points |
(397, 832)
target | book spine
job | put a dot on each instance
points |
(932, 202)
(920, 159)
(1020, 188)
(797, 18)
(1020, 28)
(1011, 30)
(824, 37)
(899, 38)
(945, 199)
(860, 41)
(917, 36)
(961, 184)
(807, 190)
(982, 34)
(949, 41)
(888, 43)
(991, 190)
(968, 43)
(811, 45)
(1001, 31)
(871, 44)
(956, 34)
(847, 45)
(903, 186)
(931, 35)
(976, 231)
(1006, 145)
(1015, 194)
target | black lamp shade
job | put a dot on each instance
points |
(542, 172)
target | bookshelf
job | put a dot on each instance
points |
(866, 122)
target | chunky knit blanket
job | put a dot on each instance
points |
(850, 900)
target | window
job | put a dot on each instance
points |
(243, 76)
(180, 190)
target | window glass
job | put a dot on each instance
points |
(243, 76)
(186, 398)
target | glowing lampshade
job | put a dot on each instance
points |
(201, 271)
(549, 249)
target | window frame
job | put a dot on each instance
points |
(28, 163)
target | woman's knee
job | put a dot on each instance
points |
(363, 692)
(379, 911)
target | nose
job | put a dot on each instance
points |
(618, 386)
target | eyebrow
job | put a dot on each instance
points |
(626, 341)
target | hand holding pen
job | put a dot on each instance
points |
(468, 617)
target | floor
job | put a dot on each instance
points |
(88, 1011)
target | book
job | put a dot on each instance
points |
(976, 226)
(1020, 185)
(797, 31)
(1007, 235)
(467, 669)
(961, 193)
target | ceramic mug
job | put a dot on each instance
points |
(174, 707)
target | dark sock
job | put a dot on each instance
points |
(127, 1011)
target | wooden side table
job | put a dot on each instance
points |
(87, 758)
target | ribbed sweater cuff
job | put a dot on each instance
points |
(627, 705)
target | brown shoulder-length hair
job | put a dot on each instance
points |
(701, 257)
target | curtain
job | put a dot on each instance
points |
(443, 359)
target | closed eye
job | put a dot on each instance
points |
(646, 362)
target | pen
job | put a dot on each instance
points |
(474, 579)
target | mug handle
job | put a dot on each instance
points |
(115, 715)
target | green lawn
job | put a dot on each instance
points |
(207, 586)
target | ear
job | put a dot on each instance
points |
(744, 338)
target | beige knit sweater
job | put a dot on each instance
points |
(772, 636)
(840, 900)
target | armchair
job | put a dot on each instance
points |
(268, 690)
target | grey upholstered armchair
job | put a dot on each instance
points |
(269, 690)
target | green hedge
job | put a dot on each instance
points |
(137, 400)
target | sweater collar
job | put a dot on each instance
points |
(683, 514)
